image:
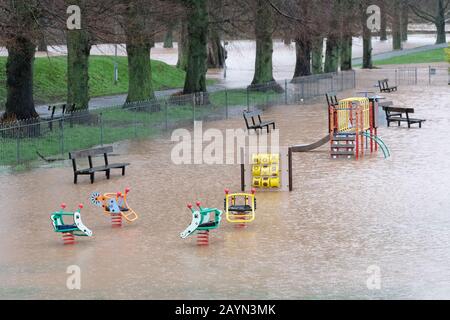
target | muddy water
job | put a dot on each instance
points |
(316, 242)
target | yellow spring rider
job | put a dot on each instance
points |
(243, 213)
(115, 205)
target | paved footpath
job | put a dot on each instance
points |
(117, 100)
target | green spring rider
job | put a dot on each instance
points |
(69, 231)
(202, 223)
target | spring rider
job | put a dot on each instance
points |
(240, 214)
(69, 231)
(115, 205)
(202, 223)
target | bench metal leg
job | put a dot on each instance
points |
(75, 178)
(123, 171)
(92, 178)
(108, 174)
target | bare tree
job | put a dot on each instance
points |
(19, 31)
(437, 12)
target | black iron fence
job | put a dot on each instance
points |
(30, 140)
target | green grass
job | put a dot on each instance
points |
(430, 56)
(238, 97)
(50, 77)
(118, 124)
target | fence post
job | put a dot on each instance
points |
(285, 92)
(62, 135)
(101, 128)
(415, 75)
(396, 77)
(248, 100)
(18, 146)
(226, 103)
(193, 108)
(429, 75)
(135, 122)
(303, 90)
(166, 114)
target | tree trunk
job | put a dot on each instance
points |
(332, 54)
(138, 50)
(396, 26)
(19, 80)
(383, 23)
(317, 56)
(264, 48)
(367, 42)
(440, 23)
(168, 37)
(346, 52)
(332, 47)
(140, 86)
(78, 51)
(42, 44)
(197, 53)
(441, 35)
(405, 19)
(183, 48)
(303, 57)
(216, 52)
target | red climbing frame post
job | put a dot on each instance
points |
(356, 134)
(371, 113)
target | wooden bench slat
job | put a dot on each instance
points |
(253, 121)
(90, 152)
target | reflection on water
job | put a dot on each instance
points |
(316, 242)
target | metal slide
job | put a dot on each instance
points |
(312, 146)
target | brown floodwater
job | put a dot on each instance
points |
(315, 242)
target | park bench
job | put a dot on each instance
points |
(395, 114)
(332, 99)
(89, 154)
(256, 121)
(54, 115)
(384, 86)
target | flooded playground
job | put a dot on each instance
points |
(318, 241)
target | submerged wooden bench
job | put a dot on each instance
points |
(395, 114)
(256, 121)
(332, 99)
(384, 86)
(89, 154)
